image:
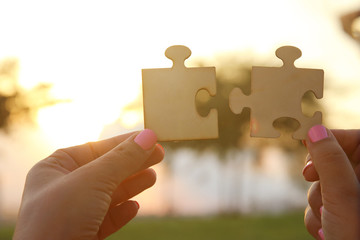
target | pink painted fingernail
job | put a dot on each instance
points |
(321, 234)
(307, 166)
(317, 133)
(146, 139)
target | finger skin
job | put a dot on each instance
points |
(134, 185)
(349, 141)
(77, 156)
(357, 171)
(315, 199)
(66, 159)
(117, 217)
(339, 185)
(333, 167)
(119, 163)
(85, 153)
(309, 172)
(312, 223)
(53, 167)
(156, 157)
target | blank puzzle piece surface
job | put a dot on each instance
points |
(169, 99)
(277, 92)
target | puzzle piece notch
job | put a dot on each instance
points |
(169, 99)
(277, 92)
(204, 102)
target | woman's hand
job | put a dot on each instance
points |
(83, 192)
(333, 164)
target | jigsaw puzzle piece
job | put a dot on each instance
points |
(277, 92)
(169, 99)
(306, 124)
(258, 127)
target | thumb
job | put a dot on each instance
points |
(339, 184)
(123, 160)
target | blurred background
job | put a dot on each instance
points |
(70, 72)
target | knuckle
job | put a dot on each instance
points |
(332, 155)
(306, 216)
(123, 160)
(33, 171)
(314, 195)
(60, 154)
(95, 154)
(128, 155)
(311, 222)
(38, 167)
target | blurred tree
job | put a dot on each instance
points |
(18, 104)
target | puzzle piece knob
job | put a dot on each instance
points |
(288, 54)
(178, 54)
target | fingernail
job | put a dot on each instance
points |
(146, 139)
(307, 166)
(321, 234)
(321, 210)
(317, 133)
(161, 148)
(137, 204)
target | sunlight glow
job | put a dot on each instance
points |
(66, 126)
(131, 118)
(99, 68)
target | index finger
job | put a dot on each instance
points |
(85, 153)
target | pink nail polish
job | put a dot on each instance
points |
(146, 139)
(307, 166)
(321, 234)
(317, 133)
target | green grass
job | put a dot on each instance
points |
(280, 227)
(6, 232)
(289, 227)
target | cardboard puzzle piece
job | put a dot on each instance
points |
(169, 99)
(277, 92)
